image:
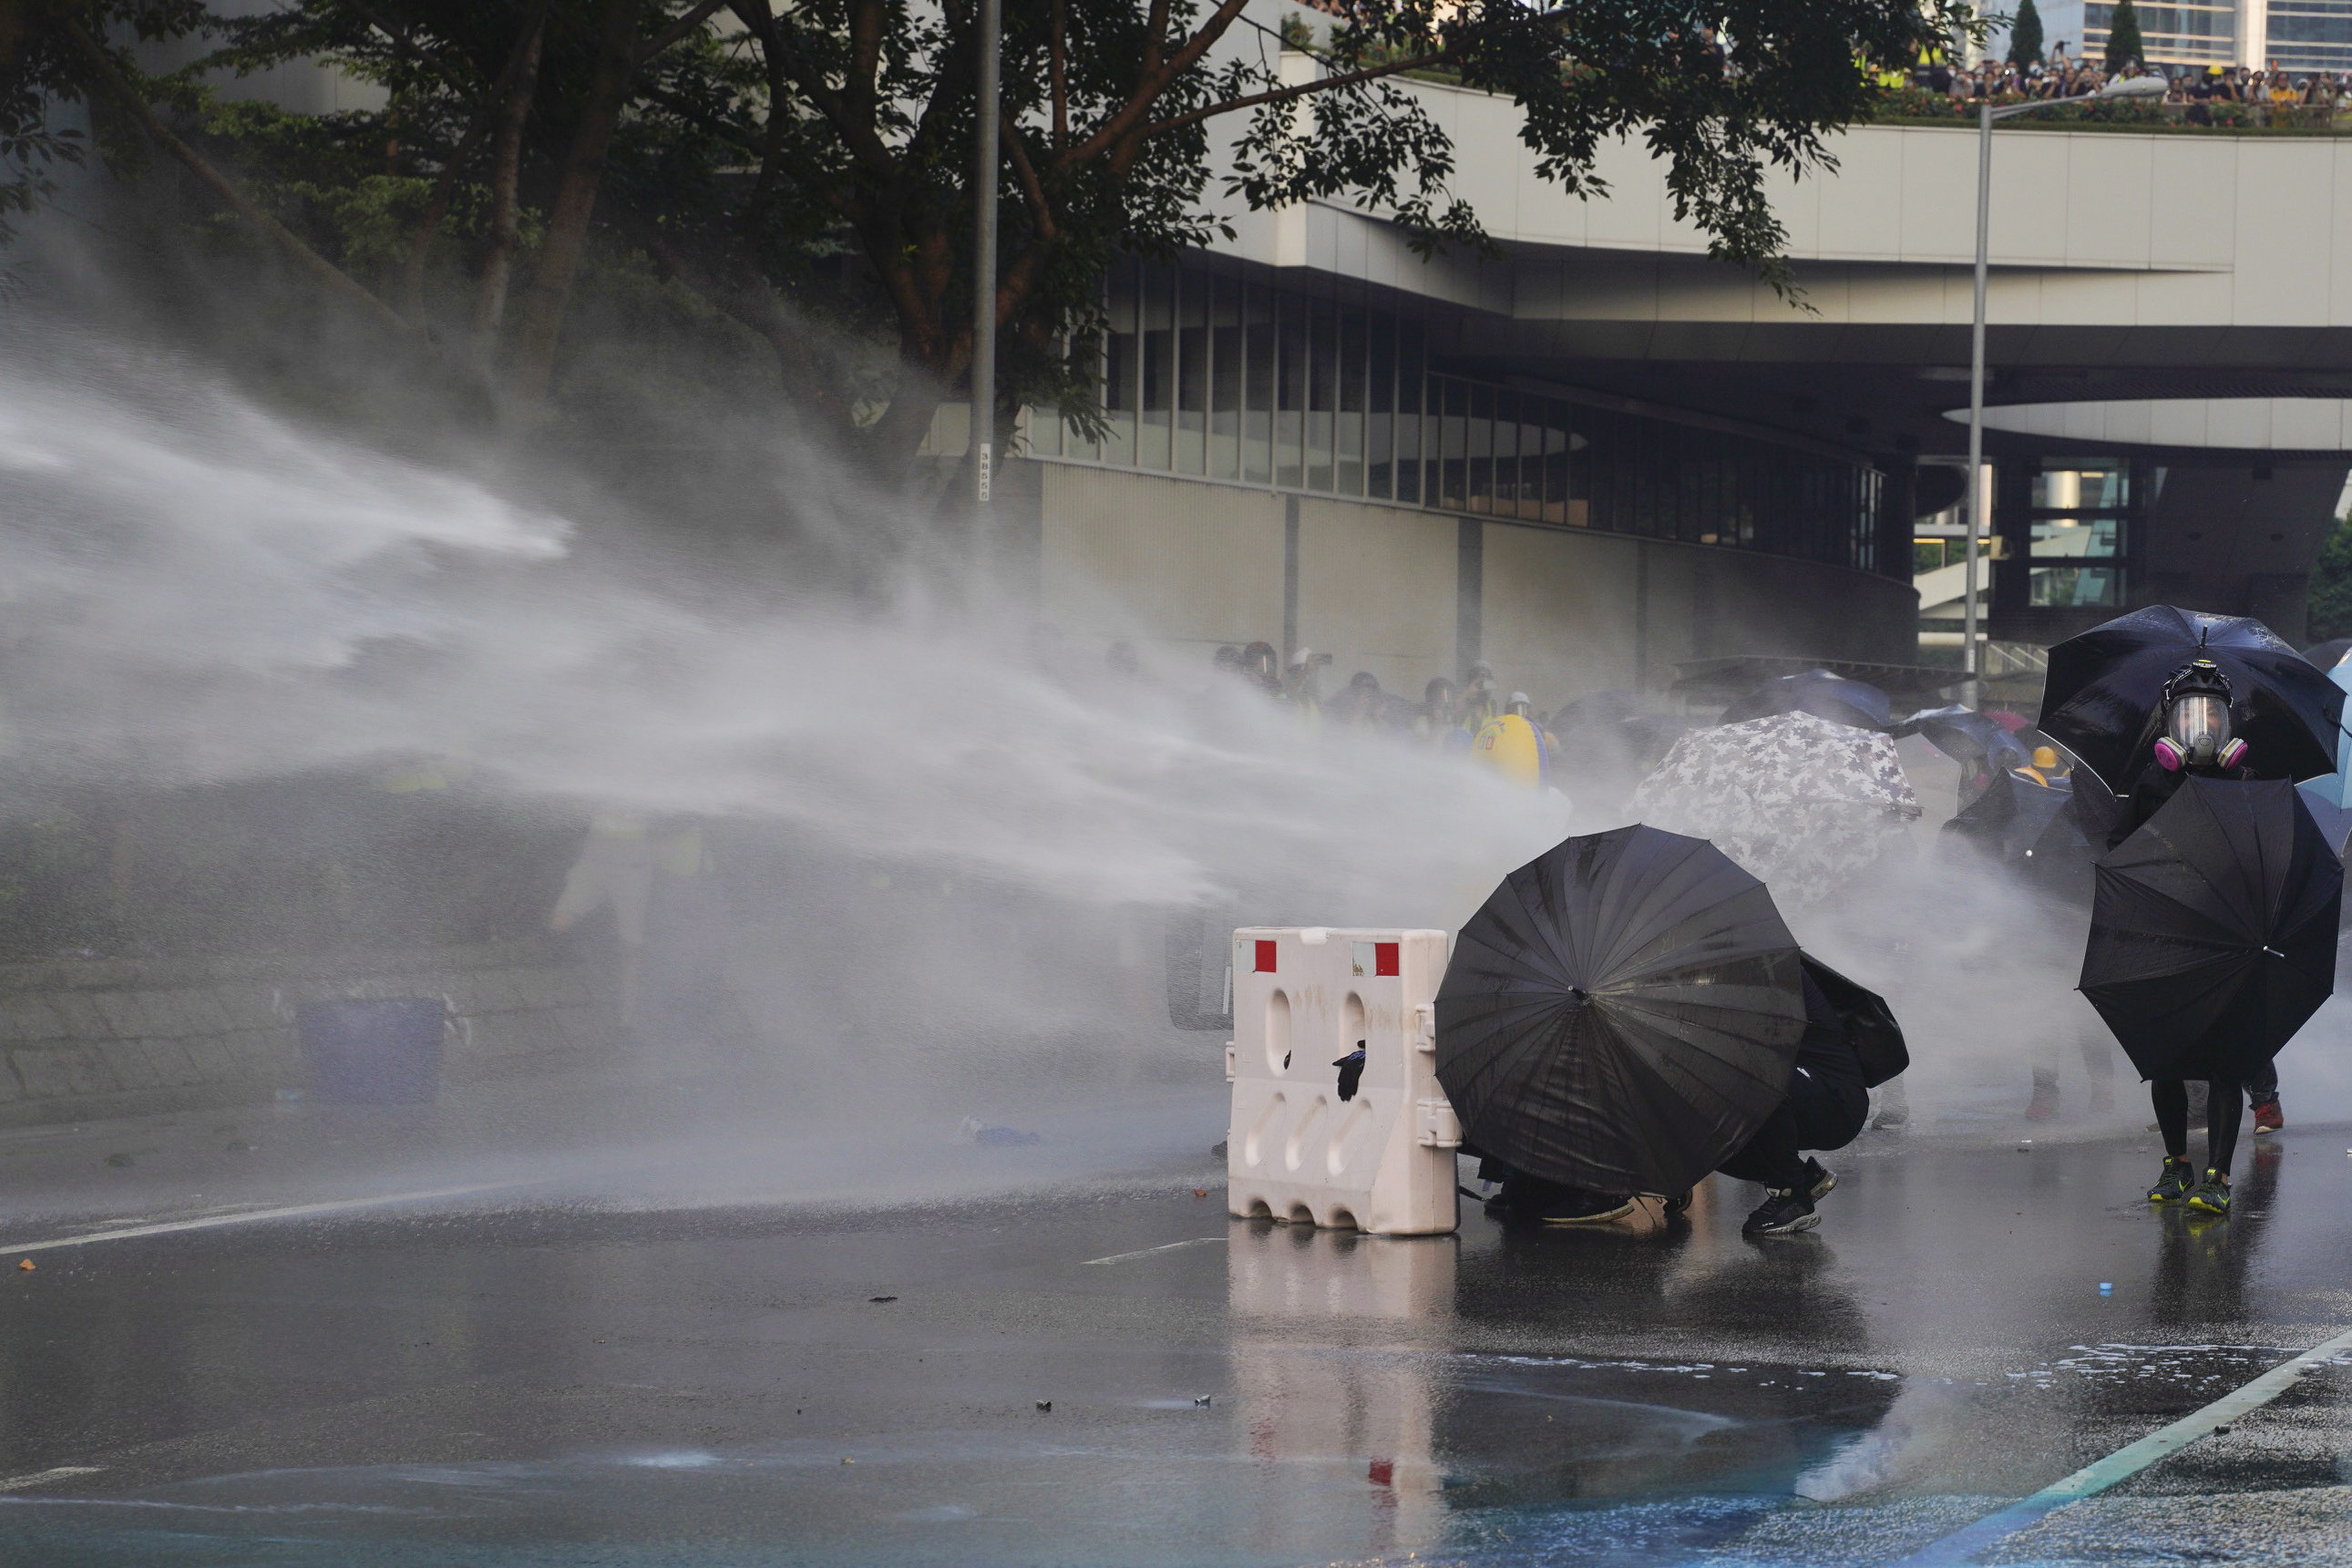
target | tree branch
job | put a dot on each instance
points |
(1155, 24)
(1057, 68)
(871, 150)
(860, 80)
(678, 29)
(506, 182)
(445, 55)
(1302, 90)
(1132, 113)
(285, 239)
(1040, 209)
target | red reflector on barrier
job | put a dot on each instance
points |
(1266, 957)
(1384, 958)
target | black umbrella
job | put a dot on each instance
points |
(1965, 734)
(2006, 823)
(1622, 1014)
(2100, 699)
(2060, 861)
(1857, 703)
(2213, 929)
(2328, 654)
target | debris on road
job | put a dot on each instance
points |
(1044, 1405)
(878, 1300)
(26, 1264)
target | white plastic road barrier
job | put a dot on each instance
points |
(1381, 1162)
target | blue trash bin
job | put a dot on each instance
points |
(373, 1053)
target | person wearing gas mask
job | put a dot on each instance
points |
(2194, 739)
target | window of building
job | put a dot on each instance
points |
(1205, 373)
(2079, 521)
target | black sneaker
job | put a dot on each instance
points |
(2210, 1196)
(1819, 1180)
(1784, 1212)
(2174, 1182)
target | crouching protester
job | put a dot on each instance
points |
(1851, 1044)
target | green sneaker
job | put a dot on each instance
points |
(2211, 1195)
(2174, 1184)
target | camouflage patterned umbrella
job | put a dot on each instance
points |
(1800, 802)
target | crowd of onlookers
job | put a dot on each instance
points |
(1445, 713)
(2195, 92)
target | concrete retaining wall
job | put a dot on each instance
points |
(81, 1041)
(1178, 566)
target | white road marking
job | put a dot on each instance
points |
(251, 1216)
(1965, 1545)
(1147, 1251)
(43, 1478)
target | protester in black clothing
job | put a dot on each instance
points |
(2193, 740)
(1826, 1104)
(1825, 1107)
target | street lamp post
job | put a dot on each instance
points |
(2121, 88)
(1971, 662)
(987, 110)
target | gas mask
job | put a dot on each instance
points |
(2197, 734)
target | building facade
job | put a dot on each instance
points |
(1600, 457)
(2293, 35)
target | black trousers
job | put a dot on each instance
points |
(2262, 1083)
(1819, 1114)
(2225, 1111)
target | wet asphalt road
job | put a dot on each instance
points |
(544, 1376)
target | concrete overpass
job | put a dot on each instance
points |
(2170, 343)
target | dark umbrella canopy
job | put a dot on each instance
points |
(2060, 863)
(1834, 697)
(2328, 654)
(2213, 929)
(1622, 1014)
(2100, 699)
(1965, 734)
(2007, 821)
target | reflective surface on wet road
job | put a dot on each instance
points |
(536, 1379)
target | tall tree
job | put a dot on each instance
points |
(2124, 46)
(2025, 35)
